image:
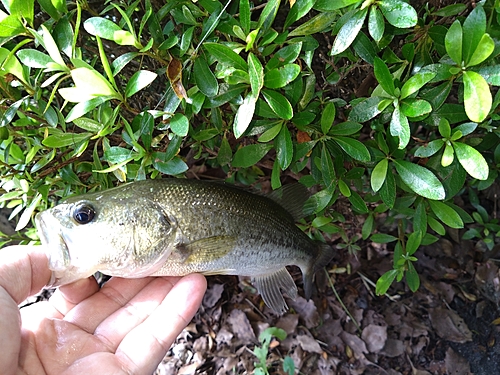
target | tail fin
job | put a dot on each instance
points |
(323, 257)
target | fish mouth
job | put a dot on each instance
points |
(54, 245)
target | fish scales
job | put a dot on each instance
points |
(171, 227)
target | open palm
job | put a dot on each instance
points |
(126, 327)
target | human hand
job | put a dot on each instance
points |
(126, 327)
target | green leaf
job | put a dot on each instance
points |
(244, 115)
(278, 103)
(378, 175)
(327, 169)
(376, 24)
(204, 78)
(34, 58)
(415, 83)
(250, 155)
(383, 75)
(317, 24)
(268, 15)
(414, 241)
(329, 5)
(256, 74)
(11, 26)
(453, 42)
(89, 84)
(366, 109)
(226, 55)
(477, 96)
(327, 117)
(109, 30)
(383, 238)
(65, 139)
(179, 124)
(225, 153)
(483, 50)
(368, 225)
(385, 281)
(388, 190)
(398, 13)
(349, 31)
(88, 124)
(420, 219)
(285, 56)
(412, 278)
(474, 28)
(138, 81)
(353, 148)
(358, 203)
(450, 10)
(245, 15)
(289, 365)
(444, 128)
(85, 107)
(471, 160)
(280, 77)
(344, 190)
(436, 226)
(429, 149)
(116, 155)
(284, 148)
(171, 167)
(446, 214)
(298, 10)
(271, 133)
(419, 179)
(400, 127)
(448, 155)
(345, 128)
(415, 107)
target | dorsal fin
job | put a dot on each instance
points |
(292, 198)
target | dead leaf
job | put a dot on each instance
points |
(375, 337)
(393, 348)
(449, 325)
(456, 364)
(212, 295)
(174, 75)
(309, 344)
(288, 323)
(240, 325)
(307, 311)
(357, 345)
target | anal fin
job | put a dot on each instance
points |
(269, 286)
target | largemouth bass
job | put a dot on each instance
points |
(173, 227)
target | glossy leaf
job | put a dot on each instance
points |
(388, 190)
(256, 74)
(245, 15)
(385, 281)
(398, 13)
(429, 149)
(298, 10)
(138, 81)
(379, 174)
(280, 77)
(446, 214)
(284, 148)
(367, 109)
(383, 75)
(327, 117)
(278, 103)
(376, 24)
(226, 55)
(327, 169)
(415, 107)
(421, 180)
(349, 31)
(171, 167)
(415, 83)
(179, 124)
(474, 28)
(345, 128)
(34, 58)
(88, 84)
(244, 115)
(471, 160)
(250, 155)
(358, 203)
(204, 77)
(315, 25)
(400, 127)
(107, 29)
(477, 96)
(353, 148)
(412, 278)
(448, 156)
(65, 139)
(483, 50)
(453, 42)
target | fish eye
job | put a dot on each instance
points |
(84, 213)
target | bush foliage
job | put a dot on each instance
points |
(135, 89)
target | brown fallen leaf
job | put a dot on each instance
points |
(449, 325)
(456, 364)
(375, 337)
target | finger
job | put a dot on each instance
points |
(10, 334)
(113, 329)
(68, 296)
(23, 271)
(115, 294)
(145, 346)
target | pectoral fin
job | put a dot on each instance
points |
(207, 249)
(269, 287)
